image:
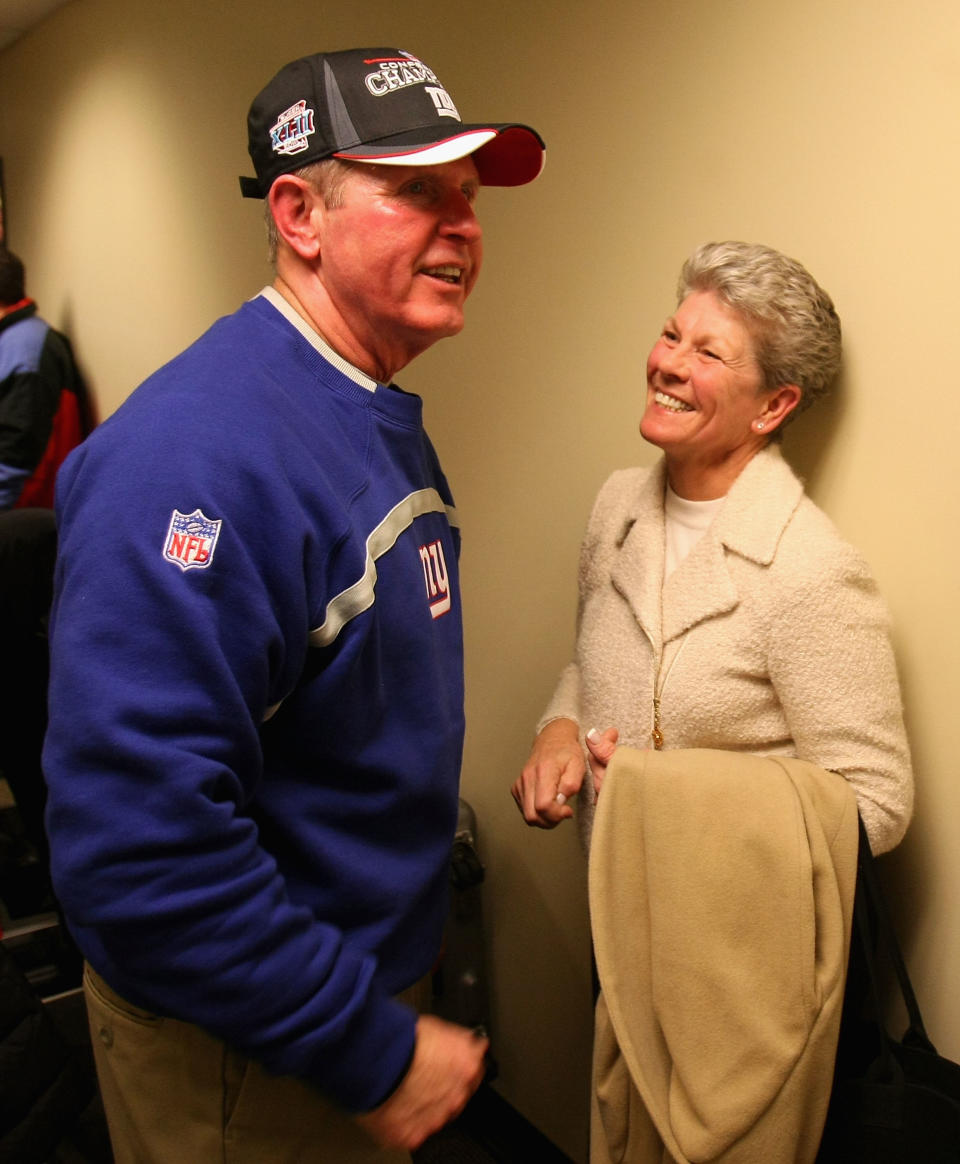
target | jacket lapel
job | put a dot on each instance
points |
(750, 524)
(637, 571)
(700, 588)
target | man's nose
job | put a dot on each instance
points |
(460, 218)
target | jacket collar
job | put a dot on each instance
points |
(759, 506)
(751, 522)
(17, 312)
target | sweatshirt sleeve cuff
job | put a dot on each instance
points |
(373, 1058)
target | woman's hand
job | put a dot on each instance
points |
(601, 746)
(552, 775)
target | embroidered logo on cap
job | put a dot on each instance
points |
(291, 133)
(400, 72)
(397, 73)
(443, 102)
(191, 540)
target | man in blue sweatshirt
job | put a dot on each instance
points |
(256, 702)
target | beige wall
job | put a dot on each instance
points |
(826, 129)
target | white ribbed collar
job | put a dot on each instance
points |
(273, 297)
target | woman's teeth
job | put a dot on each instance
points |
(671, 402)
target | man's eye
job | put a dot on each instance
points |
(710, 355)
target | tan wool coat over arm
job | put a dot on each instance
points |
(721, 899)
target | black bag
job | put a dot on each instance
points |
(893, 1102)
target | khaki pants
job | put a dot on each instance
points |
(174, 1094)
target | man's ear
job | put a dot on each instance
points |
(294, 204)
(778, 406)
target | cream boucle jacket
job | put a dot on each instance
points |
(769, 638)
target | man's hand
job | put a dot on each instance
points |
(552, 775)
(447, 1069)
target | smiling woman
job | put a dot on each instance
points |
(707, 406)
(722, 522)
(753, 341)
(719, 608)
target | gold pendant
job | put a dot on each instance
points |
(656, 735)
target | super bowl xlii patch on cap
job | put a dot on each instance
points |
(378, 105)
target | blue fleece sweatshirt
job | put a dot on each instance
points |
(256, 703)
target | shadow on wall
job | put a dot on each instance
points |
(812, 434)
(543, 948)
(906, 873)
(66, 324)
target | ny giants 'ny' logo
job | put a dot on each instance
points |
(435, 577)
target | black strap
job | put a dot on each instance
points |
(250, 188)
(870, 902)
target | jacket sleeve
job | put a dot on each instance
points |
(832, 666)
(593, 571)
(27, 407)
(160, 680)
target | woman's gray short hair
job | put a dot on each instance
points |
(328, 177)
(792, 319)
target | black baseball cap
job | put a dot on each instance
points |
(379, 105)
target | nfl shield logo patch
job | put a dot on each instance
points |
(191, 540)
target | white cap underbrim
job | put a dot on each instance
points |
(506, 155)
(449, 150)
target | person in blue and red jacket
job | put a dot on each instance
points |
(256, 699)
(43, 405)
